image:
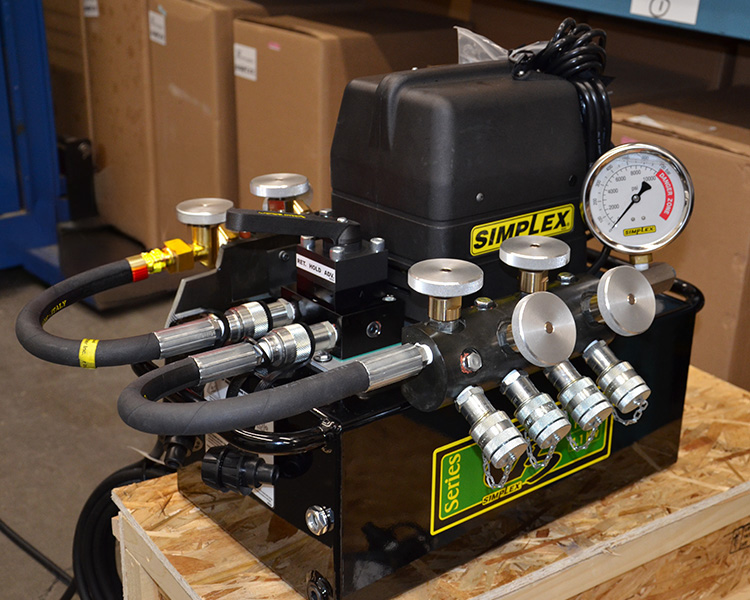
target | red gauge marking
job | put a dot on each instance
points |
(669, 193)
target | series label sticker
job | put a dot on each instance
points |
(460, 491)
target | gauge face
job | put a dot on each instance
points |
(637, 198)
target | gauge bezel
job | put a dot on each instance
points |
(636, 148)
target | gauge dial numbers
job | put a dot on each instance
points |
(637, 198)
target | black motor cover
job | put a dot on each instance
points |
(431, 159)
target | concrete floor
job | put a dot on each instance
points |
(60, 433)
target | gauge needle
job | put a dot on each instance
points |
(635, 199)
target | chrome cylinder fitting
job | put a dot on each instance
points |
(227, 362)
(622, 386)
(579, 396)
(544, 423)
(500, 441)
(250, 320)
(189, 337)
(391, 365)
(292, 343)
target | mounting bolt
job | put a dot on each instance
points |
(319, 519)
(374, 329)
(322, 356)
(377, 244)
(389, 298)
(336, 253)
(318, 587)
(566, 278)
(484, 303)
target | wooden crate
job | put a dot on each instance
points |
(681, 533)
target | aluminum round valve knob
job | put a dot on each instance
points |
(626, 300)
(203, 211)
(445, 277)
(544, 329)
(535, 253)
(279, 185)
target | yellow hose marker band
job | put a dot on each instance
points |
(87, 354)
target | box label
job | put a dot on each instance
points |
(316, 268)
(460, 491)
(550, 221)
(90, 8)
(157, 27)
(245, 62)
(679, 11)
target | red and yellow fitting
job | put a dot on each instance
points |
(176, 256)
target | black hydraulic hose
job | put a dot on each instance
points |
(81, 353)
(253, 440)
(137, 406)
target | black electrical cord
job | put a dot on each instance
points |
(35, 553)
(576, 52)
(600, 260)
(137, 406)
(94, 560)
(30, 323)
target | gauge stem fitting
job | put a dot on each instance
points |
(500, 441)
(641, 261)
(545, 424)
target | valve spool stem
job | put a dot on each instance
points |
(445, 281)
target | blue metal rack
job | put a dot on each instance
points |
(730, 18)
(30, 189)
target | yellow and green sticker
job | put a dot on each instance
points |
(460, 491)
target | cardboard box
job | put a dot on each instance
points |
(122, 118)
(290, 74)
(714, 250)
(192, 79)
(63, 24)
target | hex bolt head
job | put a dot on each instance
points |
(471, 361)
(484, 303)
(319, 519)
(377, 244)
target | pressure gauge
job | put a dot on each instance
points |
(637, 198)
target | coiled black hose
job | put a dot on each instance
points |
(94, 561)
(81, 353)
(137, 406)
(577, 53)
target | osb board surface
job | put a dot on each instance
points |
(714, 458)
(683, 573)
